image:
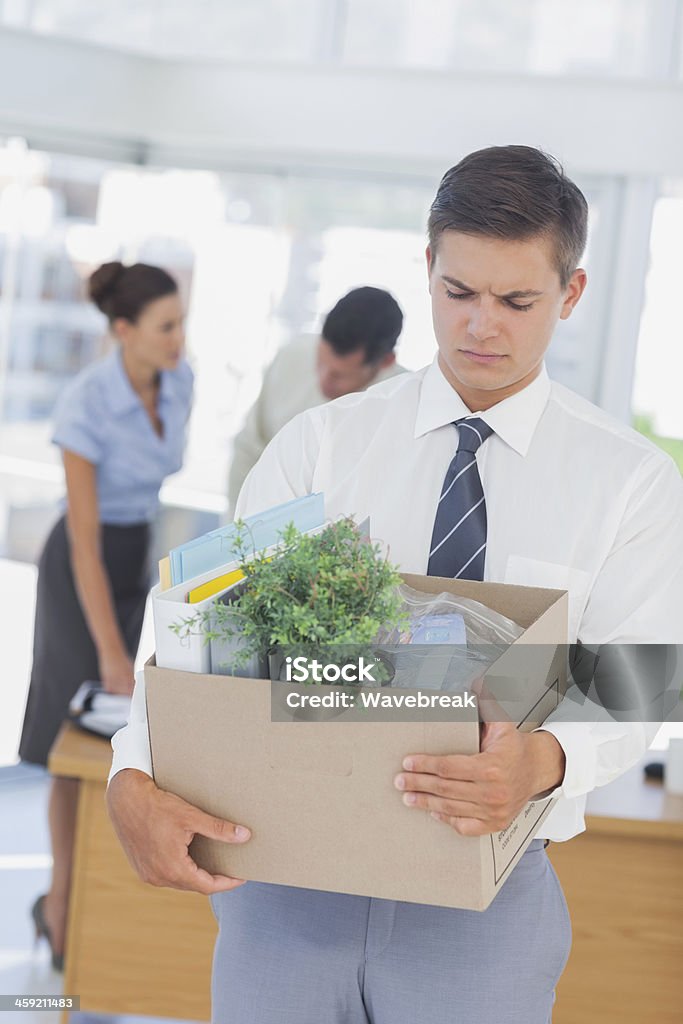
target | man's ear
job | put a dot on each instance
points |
(573, 292)
(429, 256)
(388, 360)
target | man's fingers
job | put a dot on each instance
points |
(415, 782)
(196, 879)
(204, 824)
(450, 808)
(462, 767)
(175, 868)
(465, 826)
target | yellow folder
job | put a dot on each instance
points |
(214, 586)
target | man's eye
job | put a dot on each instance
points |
(458, 295)
(519, 306)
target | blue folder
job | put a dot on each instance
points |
(264, 529)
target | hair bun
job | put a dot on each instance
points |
(102, 283)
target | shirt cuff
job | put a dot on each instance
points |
(580, 773)
(120, 764)
(78, 444)
(131, 744)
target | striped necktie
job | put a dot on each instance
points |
(458, 548)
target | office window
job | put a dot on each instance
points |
(214, 29)
(346, 233)
(657, 406)
(47, 331)
(610, 38)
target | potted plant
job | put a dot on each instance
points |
(323, 591)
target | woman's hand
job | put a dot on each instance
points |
(116, 672)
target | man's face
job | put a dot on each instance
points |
(341, 374)
(495, 304)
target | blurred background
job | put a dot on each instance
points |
(273, 154)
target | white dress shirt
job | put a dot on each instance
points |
(575, 500)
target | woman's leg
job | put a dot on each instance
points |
(62, 807)
(64, 656)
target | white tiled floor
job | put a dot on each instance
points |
(24, 871)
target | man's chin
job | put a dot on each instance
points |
(480, 377)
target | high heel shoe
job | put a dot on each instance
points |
(42, 931)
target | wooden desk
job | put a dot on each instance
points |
(623, 879)
(132, 949)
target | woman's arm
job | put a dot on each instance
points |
(90, 575)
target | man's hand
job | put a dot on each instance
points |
(481, 793)
(156, 828)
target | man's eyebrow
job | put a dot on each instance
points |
(527, 293)
(456, 283)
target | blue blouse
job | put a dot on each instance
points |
(101, 418)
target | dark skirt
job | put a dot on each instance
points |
(64, 655)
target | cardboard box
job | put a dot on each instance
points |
(319, 797)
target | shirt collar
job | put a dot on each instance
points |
(514, 419)
(120, 392)
(122, 396)
(167, 386)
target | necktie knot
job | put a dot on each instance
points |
(472, 433)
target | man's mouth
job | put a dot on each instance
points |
(481, 357)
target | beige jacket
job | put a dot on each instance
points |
(290, 386)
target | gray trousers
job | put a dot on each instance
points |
(300, 956)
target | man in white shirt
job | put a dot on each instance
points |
(355, 349)
(477, 467)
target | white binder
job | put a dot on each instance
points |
(169, 607)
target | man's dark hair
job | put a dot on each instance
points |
(516, 193)
(367, 318)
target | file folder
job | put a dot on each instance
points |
(264, 530)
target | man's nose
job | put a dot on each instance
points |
(483, 322)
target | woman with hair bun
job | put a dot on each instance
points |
(121, 428)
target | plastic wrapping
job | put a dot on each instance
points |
(482, 624)
(449, 641)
